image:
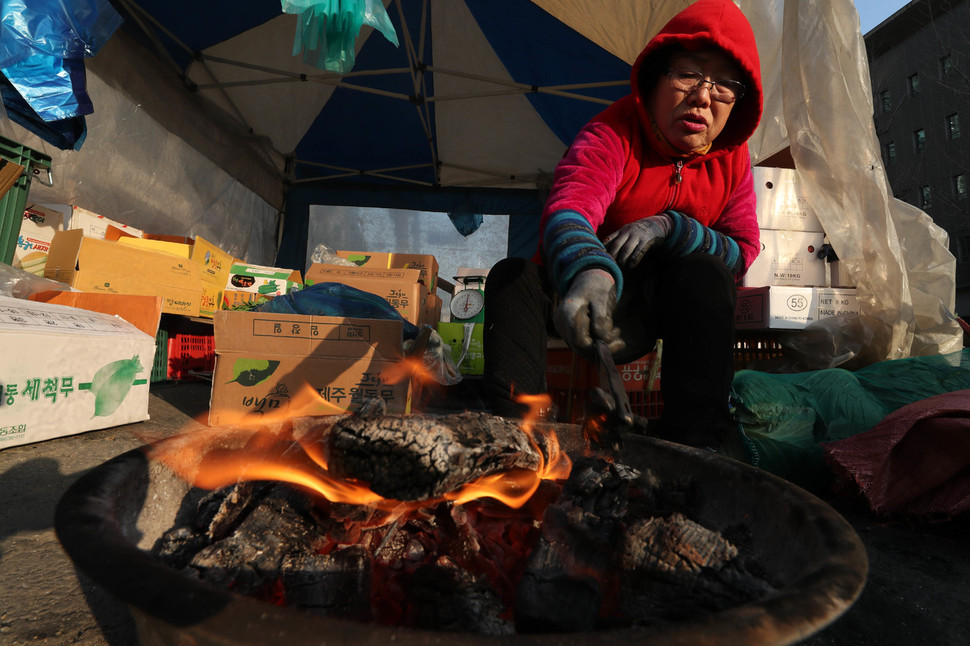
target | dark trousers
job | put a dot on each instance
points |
(688, 302)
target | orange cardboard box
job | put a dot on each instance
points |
(144, 312)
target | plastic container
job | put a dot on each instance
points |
(12, 204)
(189, 354)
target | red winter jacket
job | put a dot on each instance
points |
(612, 175)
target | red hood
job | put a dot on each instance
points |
(719, 23)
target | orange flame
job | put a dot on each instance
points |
(217, 457)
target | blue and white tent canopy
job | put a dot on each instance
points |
(482, 93)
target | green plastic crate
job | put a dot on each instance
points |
(12, 204)
(160, 364)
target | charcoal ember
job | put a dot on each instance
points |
(221, 510)
(568, 573)
(676, 568)
(675, 546)
(331, 585)
(253, 553)
(445, 597)
(179, 545)
(423, 457)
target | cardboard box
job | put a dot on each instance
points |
(787, 258)
(144, 312)
(179, 249)
(215, 263)
(291, 365)
(425, 263)
(781, 202)
(36, 232)
(67, 370)
(96, 226)
(399, 287)
(210, 301)
(432, 310)
(791, 308)
(470, 358)
(93, 265)
(261, 280)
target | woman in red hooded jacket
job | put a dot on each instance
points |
(649, 224)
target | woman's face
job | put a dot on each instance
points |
(692, 120)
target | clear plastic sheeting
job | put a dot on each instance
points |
(896, 255)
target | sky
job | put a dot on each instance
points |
(873, 12)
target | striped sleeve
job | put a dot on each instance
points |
(688, 236)
(570, 245)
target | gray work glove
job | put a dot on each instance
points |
(586, 312)
(629, 244)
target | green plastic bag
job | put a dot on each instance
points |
(327, 30)
(784, 418)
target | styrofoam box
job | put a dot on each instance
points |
(66, 370)
(787, 258)
(791, 308)
(781, 202)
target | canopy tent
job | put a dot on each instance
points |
(206, 124)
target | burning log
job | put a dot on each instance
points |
(423, 457)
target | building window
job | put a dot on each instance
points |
(963, 248)
(953, 126)
(946, 67)
(886, 100)
(891, 153)
(914, 85)
(960, 186)
(925, 198)
(919, 140)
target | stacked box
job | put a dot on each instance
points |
(791, 308)
(215, 265)
(36, 233)
(471, 358)
(96, 226)
(67, 370)
(293, 365)
(791, 233)
(426, 264)
(399, 287)
(249, 285)
(93, 265)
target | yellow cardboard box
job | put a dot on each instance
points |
(179, 249)
(92, 265)
(292, 365)
(215, 262)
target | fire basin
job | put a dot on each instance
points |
(109, 520)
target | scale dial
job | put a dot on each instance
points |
(467, 303)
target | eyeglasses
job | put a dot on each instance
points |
(688, 80)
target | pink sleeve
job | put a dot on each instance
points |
(739, 220)
(589, 175)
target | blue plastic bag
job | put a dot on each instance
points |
(42, 47)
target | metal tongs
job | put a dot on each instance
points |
(609, 412)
